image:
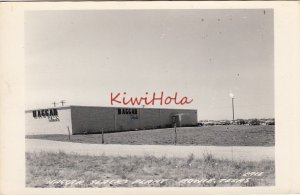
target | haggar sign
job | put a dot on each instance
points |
(51, 114)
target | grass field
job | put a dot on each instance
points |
(46, 169)
(231, 135)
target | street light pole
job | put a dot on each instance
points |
(232, 109)
(232, 103)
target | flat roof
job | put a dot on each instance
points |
(58, 108)
(69, 107)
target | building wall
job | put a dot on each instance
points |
(188, 117)
(94, 119)
(83, 119)
(127, 121)
(47, 124)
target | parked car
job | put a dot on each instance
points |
(270, 122)
(200, 124)
(209, 123)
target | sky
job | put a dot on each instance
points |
(84, 56)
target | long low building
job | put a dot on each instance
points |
(86, 119)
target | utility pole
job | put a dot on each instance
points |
(62, 102)
(54, 104)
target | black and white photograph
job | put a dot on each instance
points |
(149, 98)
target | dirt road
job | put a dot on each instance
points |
(251, 153)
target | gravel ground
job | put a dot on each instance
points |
(251, 153)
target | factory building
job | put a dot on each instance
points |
(86, 119)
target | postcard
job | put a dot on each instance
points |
(151, 97)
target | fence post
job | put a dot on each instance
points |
(69, 133)
(175, 133)
(102, 136)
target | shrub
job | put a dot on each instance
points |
(254, 122)
(190, 159)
